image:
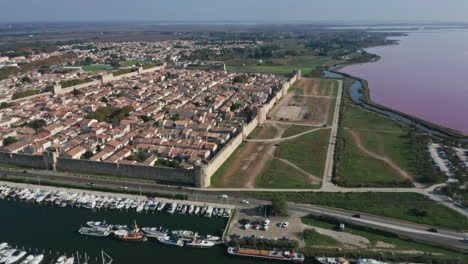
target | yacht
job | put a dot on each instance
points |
(199, 243)
(161, 206)
(91, 231)
(16, 256)
(99, 225)
(154, 231)
(167, 240)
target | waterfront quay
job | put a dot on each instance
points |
(54, 230)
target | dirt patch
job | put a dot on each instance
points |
(381, 244)
(255, 168)
(239, 171)
(343, 237)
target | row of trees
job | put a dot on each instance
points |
(21, 94)
(258, 243)
(111, 114)
(74, 82)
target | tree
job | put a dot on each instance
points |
(4, 105)
(88, 154)
(115, 64)
(9, 140)
(278, 207)
(241, 79)
(77, 92)
(88, 61)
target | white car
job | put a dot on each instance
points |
(284, 225)
(224, 196)
(245, 201)
(266, 222)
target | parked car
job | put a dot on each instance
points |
(284, 224)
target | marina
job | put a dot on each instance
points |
(56, 233)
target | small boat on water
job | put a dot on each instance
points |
(6, 255)
(154, 231)
(3, 245)
(267, 254)
(99, 225)
(199, 243)
(65, 260)
(97, 232)
(28, 259)
(172, 208)
(185, 234)
(167, 240)
(212, 238)
(135, 235)
(161, 206)
(36, 259)
(15, 257)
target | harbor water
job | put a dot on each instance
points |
(54, 230)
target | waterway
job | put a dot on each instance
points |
(54, 229)
(423, 76)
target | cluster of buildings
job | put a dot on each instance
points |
(177, 115)
(100, 53)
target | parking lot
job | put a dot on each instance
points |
(294, 230)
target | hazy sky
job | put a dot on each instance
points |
(234, 10)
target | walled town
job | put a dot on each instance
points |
(185, 115)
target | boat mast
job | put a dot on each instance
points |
(104, 256)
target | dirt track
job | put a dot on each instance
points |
(387, 160)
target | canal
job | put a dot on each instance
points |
(54, 229)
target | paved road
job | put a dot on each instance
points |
(328, 172)
(416, 231)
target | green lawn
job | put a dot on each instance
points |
(278, 174)
(358, 169)
(131, 62)
(103, 67)
(313, 238)
(11, 166)
(308, 151)
(400, 244)
(379, 135)
(294, 130)
(391, 205)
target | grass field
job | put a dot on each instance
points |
(391, 205)
(306, 64)
(308, 151)
(216, 178)
(103, 67)
(313, 238)
(11, 166)
(381, 136)
(400, 244)
(278, 174)
(131, 62)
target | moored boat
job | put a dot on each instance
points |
(98, 232)
(199, 243)
(267, 254)
(134, 235)
(99, 225)
(167, 240)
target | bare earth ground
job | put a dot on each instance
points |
(313, 109)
